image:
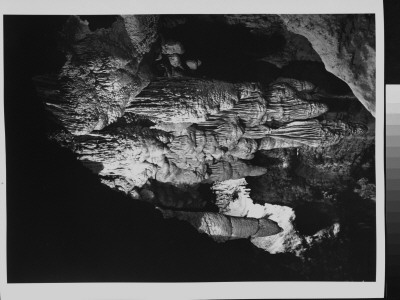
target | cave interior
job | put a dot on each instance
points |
(65, 225)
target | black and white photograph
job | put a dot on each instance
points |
(190, 148)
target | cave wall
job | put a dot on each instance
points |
(346, 45)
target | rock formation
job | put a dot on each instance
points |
(223, 132)
(346, 45)
(233, 199)
(146, 117)
(222, 228)
(103, 72)
(180, 100)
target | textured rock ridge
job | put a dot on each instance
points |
(101, 75)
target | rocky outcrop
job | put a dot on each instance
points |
(306, 133)
(103, 72)
(346, 45)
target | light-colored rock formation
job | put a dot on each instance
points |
(233, 200)
(177, 100)
(223, 228)
(289, 100)
(346, 45)
(204, 132)
(124, 157)
(312, 133)
(101, 75)
(366, 190)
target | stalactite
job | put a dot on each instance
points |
(222, 228)
(184, 99)
(312, 133)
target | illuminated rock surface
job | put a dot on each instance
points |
(101, 75)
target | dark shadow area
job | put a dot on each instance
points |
(229, 53)
(316, 73)
(99, 21)
(197, 197)
(312, 217)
